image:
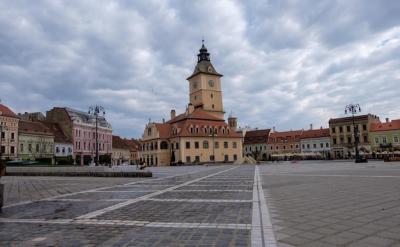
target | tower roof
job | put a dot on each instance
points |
(204, 64)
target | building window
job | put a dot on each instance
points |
(334, 141)
(341, 129)
(149, 131)
(177, 145)
(234, 144)
(12, 136)
(376, 140)
(348, 128)
(57, 149)
(365, 139)
(211, 157)
(205, 144)
(3, 149)
(341, 140)
(364, 127)
(226, 158)
(271, 147)
(188, 159)
(303, 146)
(197, 158)
(284, 147)
(212, 106)
(348, 139)
(384, 140)
(12, 149)
(63, 150)
(187, 146)
(216, 145)
(395, 139)
(163, 145)
(234, 157)
(69, 150)
(225, 144)
(196, 145)
(37, 148)
(22, 147)
(333, 130)
(212, 96)
(30, 147)
(327, 144)
(321, 145)
(308, 146)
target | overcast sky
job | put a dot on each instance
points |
(285, 63)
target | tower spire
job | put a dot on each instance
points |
(203, 55)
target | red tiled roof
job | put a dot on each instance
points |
(164, 129)
(29, 127)
(392, 125)
(118, 142)
(133, 144)
(317, 133)
(349, 119)
(256, 136)
(5, 111)
(198, 114)
(284, 137)
(59, 136)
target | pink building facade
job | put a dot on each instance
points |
(81, 128)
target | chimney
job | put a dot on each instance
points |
(190, 108)
(310, 126)
(387, 120)
(173, 114)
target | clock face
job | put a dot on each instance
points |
(194, 85)
(211, 83)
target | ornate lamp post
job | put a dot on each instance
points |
(97, 111)
(353, 109)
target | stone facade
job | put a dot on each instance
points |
(316, 143)
(385, 137)
(342, 134)
(36, 141)
(256, 144)
(120, 152)
(8, 133)
(284, 145)
(63, 147)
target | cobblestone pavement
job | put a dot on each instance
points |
(211, 206)
(285, 204)
(22, 188)
(334, 203)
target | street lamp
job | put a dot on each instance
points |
(353, 109)
(97, 111)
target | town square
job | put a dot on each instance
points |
(200, 123)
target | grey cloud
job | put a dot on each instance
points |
(286, 63)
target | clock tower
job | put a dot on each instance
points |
(205, 85)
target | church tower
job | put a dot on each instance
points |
(205, 85)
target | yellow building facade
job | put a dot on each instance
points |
(200, 134)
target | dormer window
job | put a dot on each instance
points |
(210, 69)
